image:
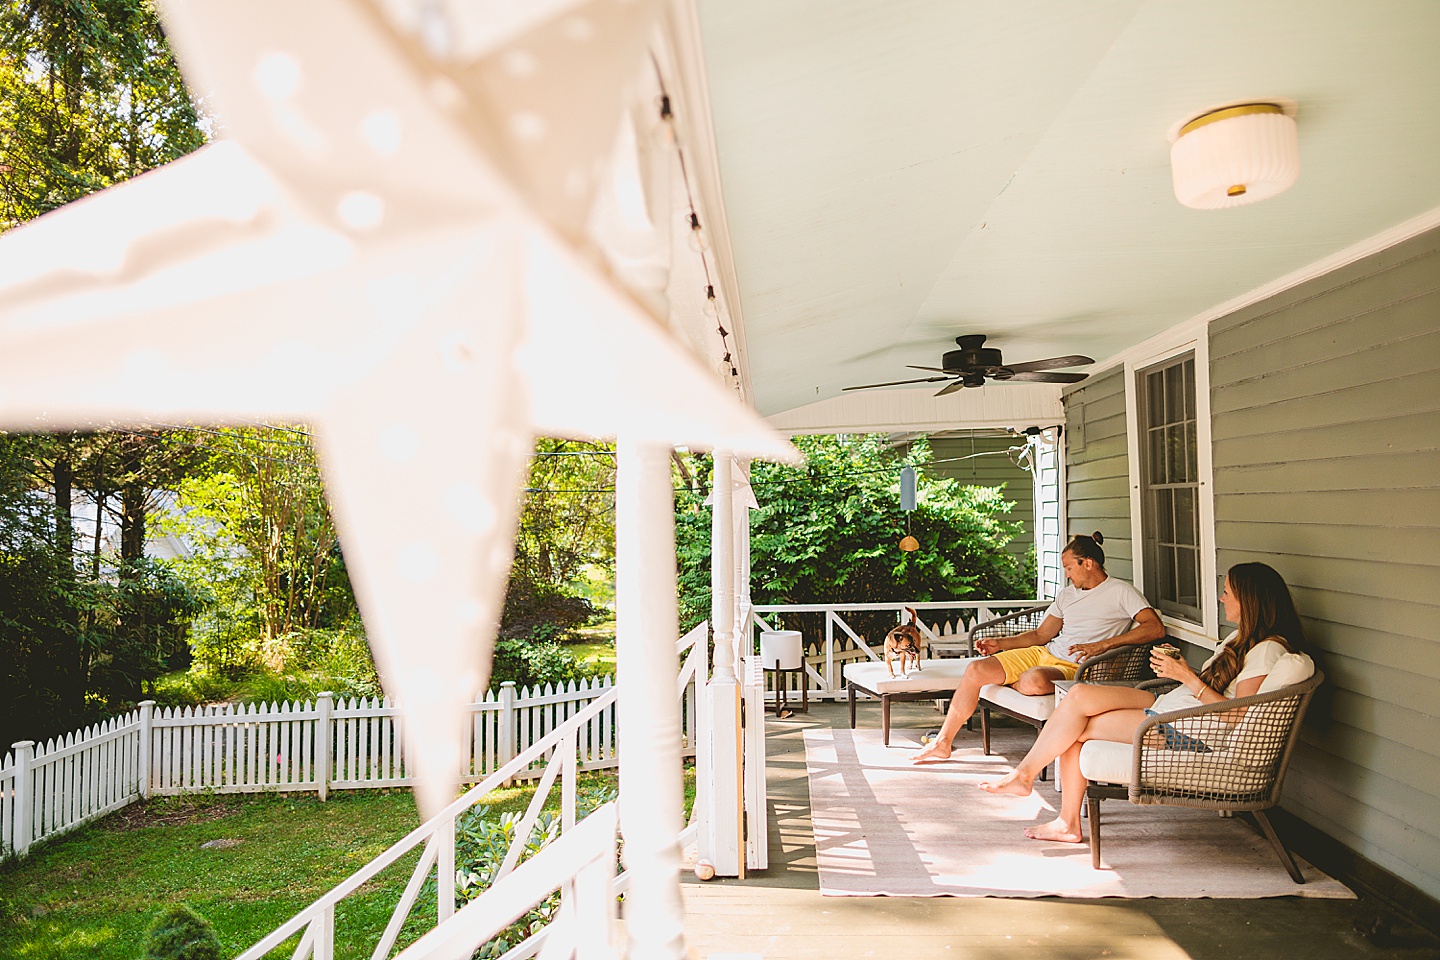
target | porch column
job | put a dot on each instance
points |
(744, 500)
(651, 790)
(722, 694)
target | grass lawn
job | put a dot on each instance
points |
(595, 644)
(94, 893)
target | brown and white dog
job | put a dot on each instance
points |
(905, 642)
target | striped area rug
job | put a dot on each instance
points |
(886, 828)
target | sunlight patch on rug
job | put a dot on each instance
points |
(886, 828)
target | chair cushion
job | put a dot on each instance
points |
(1038, 708)
(1290, 668)
(1219, 772)
(940, 676)
(1106, 762)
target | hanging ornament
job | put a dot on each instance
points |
(908, 544)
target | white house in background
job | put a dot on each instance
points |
(159, 544)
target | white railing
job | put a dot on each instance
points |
(319, 745)
(944, 623)
(580, 864)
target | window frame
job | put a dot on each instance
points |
(1205, 630)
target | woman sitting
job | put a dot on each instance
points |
(1257, 599)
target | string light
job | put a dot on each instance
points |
(698, 241)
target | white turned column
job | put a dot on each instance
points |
(651, 789)
(723, 692)
(742, 559)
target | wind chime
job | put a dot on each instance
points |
(908, 543)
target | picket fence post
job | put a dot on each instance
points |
(507, 722)
(505, 726)
(324, 703)
(147, 718)
(24, 752)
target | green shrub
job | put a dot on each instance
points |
(180, 933)
(481, 842)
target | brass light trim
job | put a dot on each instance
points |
(1244, 109)
(1238, 190)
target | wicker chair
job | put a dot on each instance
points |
(1239, 766)
(1128, 665)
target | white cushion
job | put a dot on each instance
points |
(1216, 772)
(1039, 707)
(1106, 762)
(1290, 668)
(939, 676)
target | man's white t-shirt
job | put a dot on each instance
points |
(1102, 612)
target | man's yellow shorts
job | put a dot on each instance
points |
(1018, 661)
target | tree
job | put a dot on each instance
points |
(90, 95)
(829, 532)
(264, 541)
(567, 520)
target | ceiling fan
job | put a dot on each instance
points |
(974, 363)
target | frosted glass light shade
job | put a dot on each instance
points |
(1235, 156)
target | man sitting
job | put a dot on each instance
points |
(1088, 618)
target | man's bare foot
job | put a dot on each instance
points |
(932, 752)
(1012, 784)
(1057, 830)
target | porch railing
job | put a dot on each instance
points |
(580, 863)
(841, 643)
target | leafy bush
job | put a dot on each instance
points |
(537, 618)
(481, 843)
(829, 532)
(180, 933)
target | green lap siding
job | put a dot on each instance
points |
(1326, 444)
(1097, 467)
(956, 458)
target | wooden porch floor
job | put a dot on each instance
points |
(780, 915)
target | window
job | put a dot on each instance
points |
(1170, 486)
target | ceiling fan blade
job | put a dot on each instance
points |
(1041, 377)
(896, 383)
(935, 369)
(951, 388)
(1074, 360)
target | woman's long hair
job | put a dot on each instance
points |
(1266, 613)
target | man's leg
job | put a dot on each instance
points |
(1038, 681)
(962, 704)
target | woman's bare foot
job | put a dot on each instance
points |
(932, 752)
(1057, 830)
(1012, 783)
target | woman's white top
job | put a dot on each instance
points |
(1258, 663)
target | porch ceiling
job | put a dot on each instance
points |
(899, 173)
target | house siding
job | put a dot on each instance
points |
(1326, 443)
(992, 469)
(1097, 470)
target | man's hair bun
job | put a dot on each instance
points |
(1087, 548)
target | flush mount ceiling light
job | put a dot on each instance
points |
(1235, 155)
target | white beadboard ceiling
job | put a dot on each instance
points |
(897, 173)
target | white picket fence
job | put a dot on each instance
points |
(319, 745)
